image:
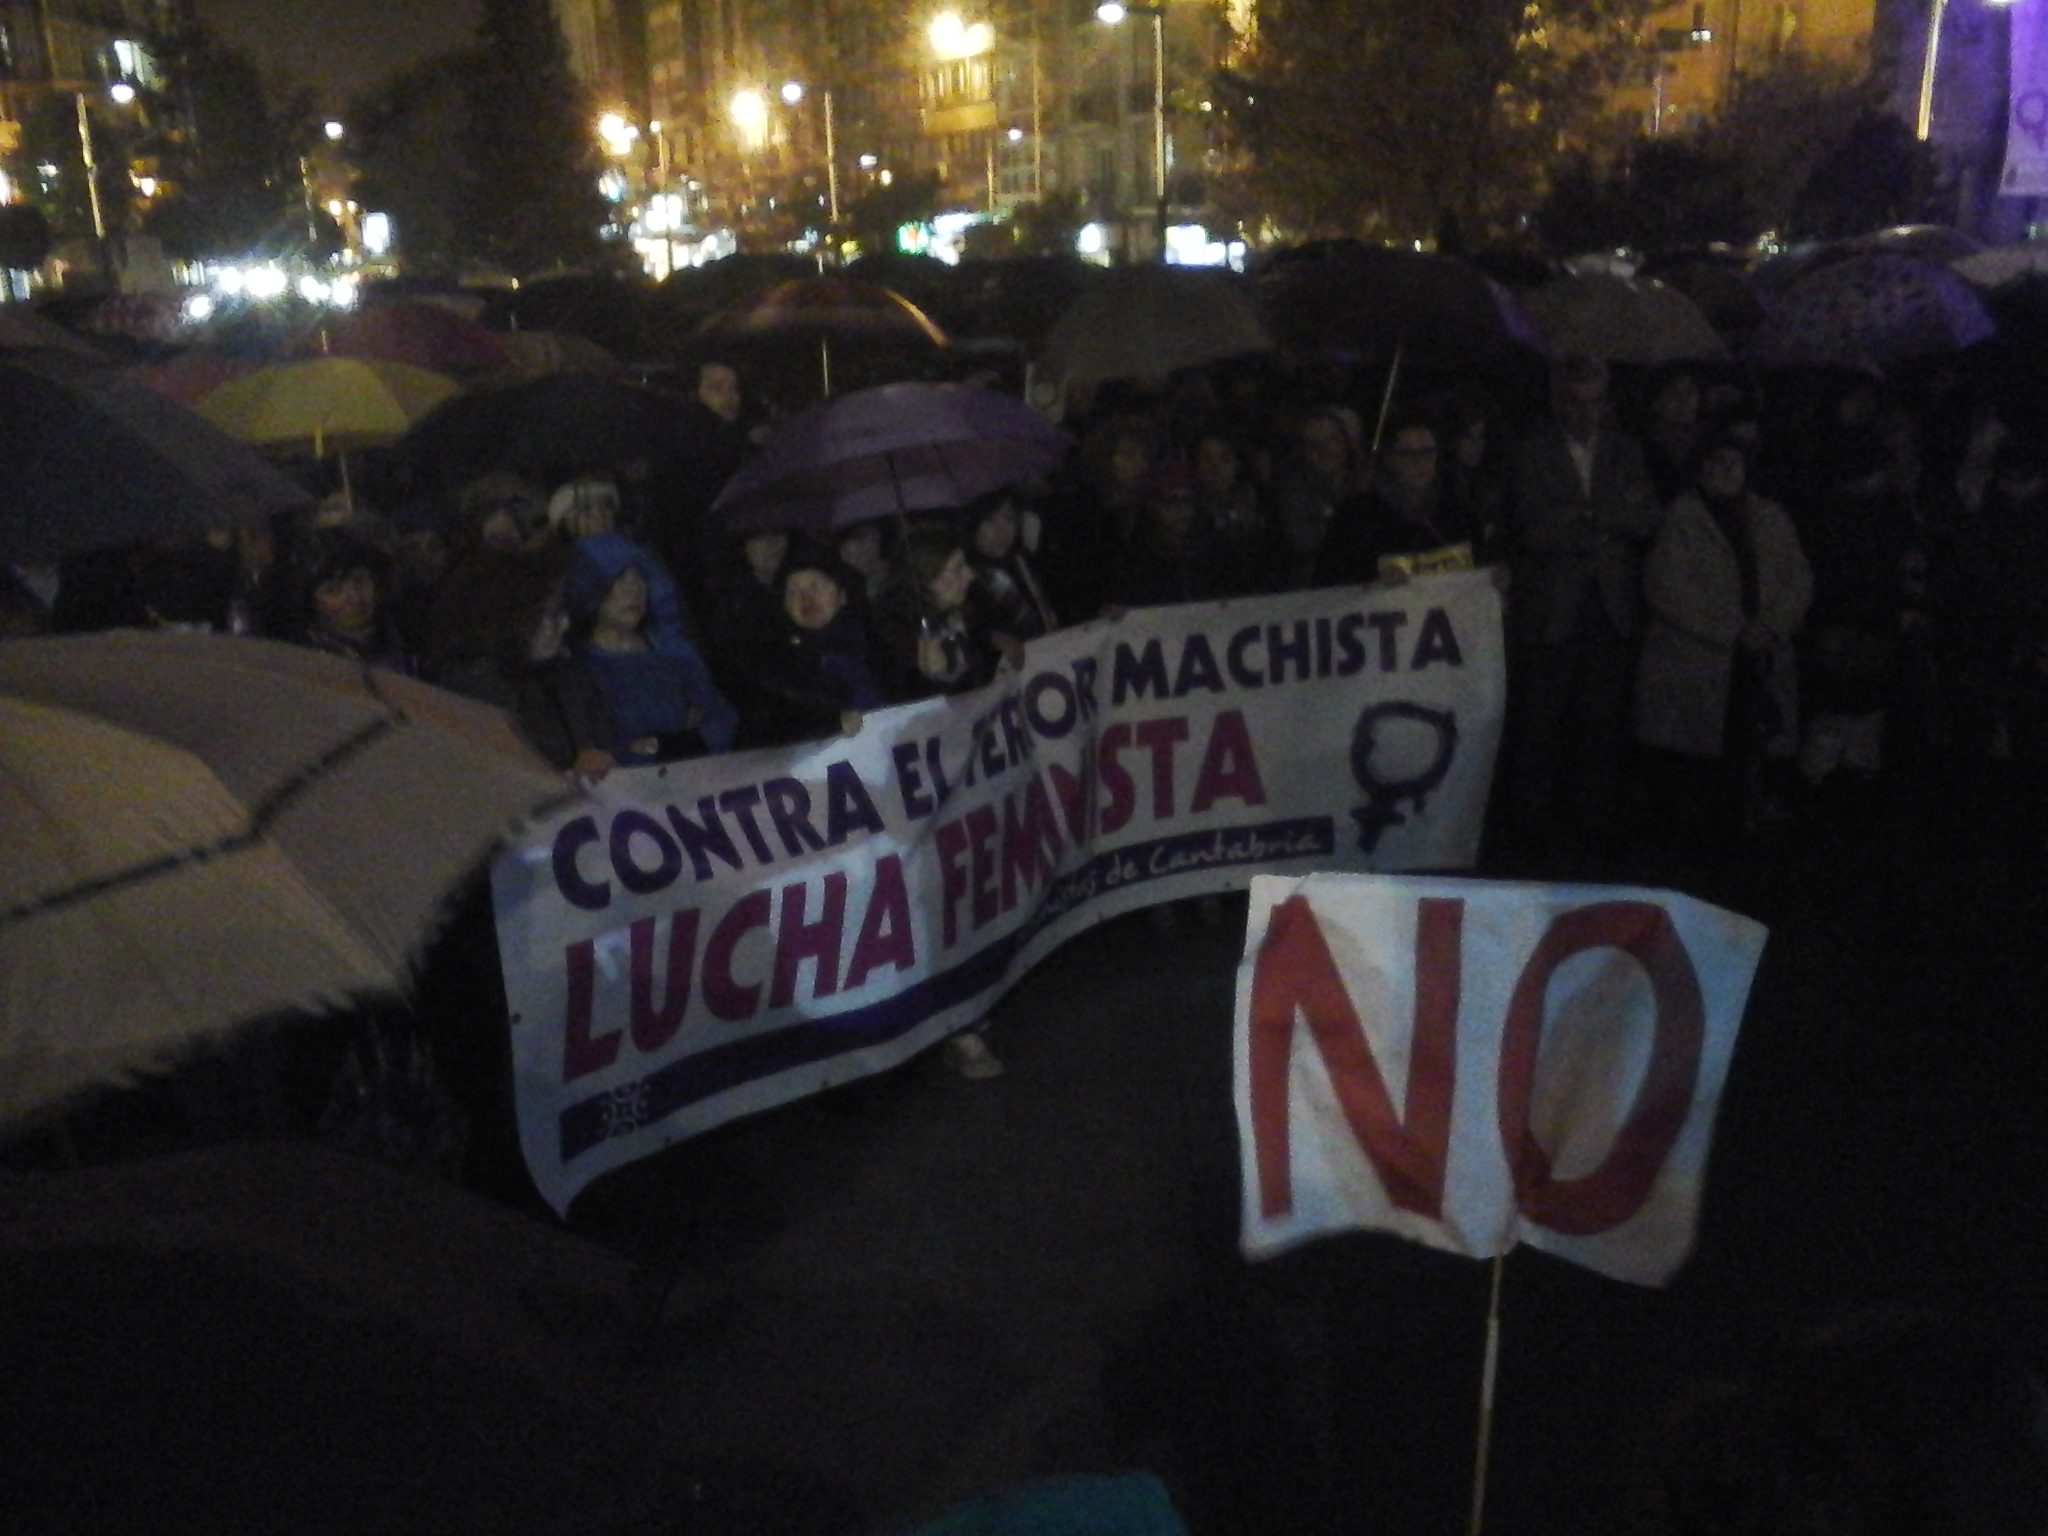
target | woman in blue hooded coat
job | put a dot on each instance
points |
(628, 633)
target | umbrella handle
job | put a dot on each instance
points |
(1387, 397)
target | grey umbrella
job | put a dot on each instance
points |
(1151, 321)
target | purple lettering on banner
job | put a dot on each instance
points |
(686, 1081)
(699, 1076)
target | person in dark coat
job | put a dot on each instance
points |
(927, 640)
(339, 600)
(810, 676)
(1584, 514)
(1007, 596)
(498, 633)
(1402, 514)
(1173, 555)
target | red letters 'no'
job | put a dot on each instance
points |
(1294, 977)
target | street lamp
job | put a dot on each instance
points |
(1111, 13)
(793, 95)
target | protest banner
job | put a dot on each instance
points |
(697, 942)
(1471, 1064)
(2025, 173)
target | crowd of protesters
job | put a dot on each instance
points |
(1724, 595)
(1730, 600)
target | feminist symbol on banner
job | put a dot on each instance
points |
(2030, 116)
(1384, 795)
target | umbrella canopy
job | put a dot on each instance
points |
(329, 404)
(726, 281)
(1151, 321)
(1997, 265)
(415, 331)
(535, 354)
(23, 330)
(188, 377)
(1870, 312)
(811, 309)
(562, 423)
(91, 459)
(898, 448)
(810, 338)
(1622, 320)
(1369, 303)
(1928, 242)
(1718, 282)
(1022, 297)
(201, 830)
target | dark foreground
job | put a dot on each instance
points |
(853, 1313)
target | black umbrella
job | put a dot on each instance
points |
(559, 424)
(1370, 304)
(91, 459)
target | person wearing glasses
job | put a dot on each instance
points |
(1402, 524)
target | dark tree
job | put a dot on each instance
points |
(875, 216)
(409, 139)
(1381, 117)
(529, 200)
(1801, 147)
(1877, 174)
(1660, 194)
(230, 169)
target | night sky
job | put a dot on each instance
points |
(340, 47)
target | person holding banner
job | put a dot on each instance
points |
(627, 628)
(1402, 525)
(809, 677)
(929, 643)
(498, 632)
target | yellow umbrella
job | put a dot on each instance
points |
(326, 403)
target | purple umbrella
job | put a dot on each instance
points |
(1870, 312)
(886, 451)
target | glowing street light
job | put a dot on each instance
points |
(333, 130)
(792, 92)
(952, 38)
(619, 135)
(749, 110)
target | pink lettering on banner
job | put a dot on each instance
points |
(1616, 1190)
(654, 1027)
(1294, 977)
(582, 1053)
(724, 994)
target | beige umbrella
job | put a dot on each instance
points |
(200, 830)
(536, 354)
(1622, 320)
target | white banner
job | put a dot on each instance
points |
(2026, 125)
(694, 943)
(1472, 1064)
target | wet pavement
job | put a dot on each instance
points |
(852, 1313)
